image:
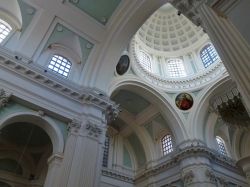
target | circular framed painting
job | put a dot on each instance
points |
(184, 101)
(122, 65)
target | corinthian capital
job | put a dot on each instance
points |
(4, 98)
(74, 125)
(93, 130)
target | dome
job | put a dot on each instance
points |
(167, 31)
(173, 53)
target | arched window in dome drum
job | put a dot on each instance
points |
(176, 68)
(209, 55)
(221, 144)
(145, 60)
(167, 144)
(4, 30)
(60, 65)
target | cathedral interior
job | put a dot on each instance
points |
(124, 93)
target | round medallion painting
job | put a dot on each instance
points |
(184, 101)
(123, 65)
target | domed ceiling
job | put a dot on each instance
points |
(166, 51)
(165, 30)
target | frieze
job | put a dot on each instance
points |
(25, 68)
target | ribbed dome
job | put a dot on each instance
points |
(166, 31)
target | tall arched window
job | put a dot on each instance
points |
(167, 144)
(145, 60)
(209, 55)
(60, 65)
(176, 68)
(5, 29)
(106, 152)
(221, 144)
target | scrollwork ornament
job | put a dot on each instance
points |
(4, 98)
(188, 177)
(74, 126)
(93, 130)
(210, 175)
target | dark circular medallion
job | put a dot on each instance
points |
(184, 101)
(123, 65)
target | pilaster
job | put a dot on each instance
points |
(197, 172)
(83, 153)
(54, 163)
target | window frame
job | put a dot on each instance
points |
(179, 71)
(142, 61)
(209, 53)
(57, 72)
(221, 144)
(10, 27)
(170, 146)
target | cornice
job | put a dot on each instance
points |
(187, 152)
(116, 175)
(27, 69)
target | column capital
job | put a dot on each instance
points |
(188, 177)
(74, 126)
(4, 98)
(93, 130)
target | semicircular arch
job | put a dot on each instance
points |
(48, 125)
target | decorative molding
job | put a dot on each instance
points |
(193, 149)
(74, 126)
(188, 177)
(229, 107)
(191, 82)
(35, 73)
(93, 130)
(210, 175)
(4, 98)
(116, 175)
(41, 113)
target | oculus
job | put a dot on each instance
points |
(122, 65)
(184, 101)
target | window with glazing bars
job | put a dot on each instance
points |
(60, 65)
(167, 145)
(209, 55)
(221, 144)
(176, 68)
(4, 30)
(145, 61)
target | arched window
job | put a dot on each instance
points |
(167, 144)
(106, 152)
(60, 65)
(4, 30)
(221, 144)
(176, 68)
(145, 60)
(209, 55)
